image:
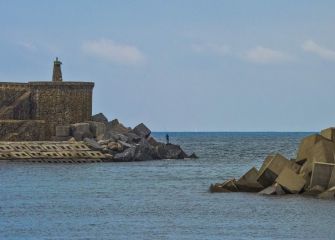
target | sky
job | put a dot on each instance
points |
(183, 65)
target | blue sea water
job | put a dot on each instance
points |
(166, 199)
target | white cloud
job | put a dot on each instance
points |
(27, 45)
(266, 55)
(312, 47)
(111, 51)
(211, 48)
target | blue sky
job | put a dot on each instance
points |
(183, 65)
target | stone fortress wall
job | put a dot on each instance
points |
(31, 111)
(60, 103)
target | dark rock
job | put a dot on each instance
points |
(170, 151)
(91, 143)
(126, 156)
(144, 151)
(124, 144)
(114, 136)
(117, 127)
(142, 130)
(100, 117)
(152, 141)
(113, 123)
(193, 156)
(132, 137)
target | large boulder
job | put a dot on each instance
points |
(144, 151)
(92, 144)
(100, 117)
(132, 137)
(115, 146)
(152, 141)
(116, 126)
(170, 151)
(113, 136)
(142, 130)
(126, 156)
(80, 131)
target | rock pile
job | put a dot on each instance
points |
(312, 172)
(119, 143)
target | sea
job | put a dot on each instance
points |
(165, 199)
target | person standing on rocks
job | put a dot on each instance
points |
(167, 139)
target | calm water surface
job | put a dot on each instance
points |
(160, 199)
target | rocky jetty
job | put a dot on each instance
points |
(119, 143)
(311, 173)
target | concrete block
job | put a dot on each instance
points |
(62, 130)
(306, 144)
(265, 162)
(275, 189)
(290, 180)
(227, 186)
(321, 174)
(328, 194)
(328, 133)
(272, 170)
(322, 151)
(81, 130)
(248, 182)
(97, 128)
(314, 191)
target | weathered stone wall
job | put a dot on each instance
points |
(14, 101)
(22, 130)
(60, 103)
(9, 92)
(57, 103)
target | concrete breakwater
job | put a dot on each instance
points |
(49, 152)
(99, 140)
(311, 173)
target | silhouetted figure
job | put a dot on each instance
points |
(167, 139)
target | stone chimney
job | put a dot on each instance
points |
(57, 72)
